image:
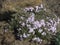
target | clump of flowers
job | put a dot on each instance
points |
(34, 23)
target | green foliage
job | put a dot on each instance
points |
(16, 22)
(56, 39)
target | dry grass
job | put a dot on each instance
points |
(12, 4)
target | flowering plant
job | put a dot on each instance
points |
(35, 24)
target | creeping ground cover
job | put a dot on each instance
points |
(35, 24)
(31, 25)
